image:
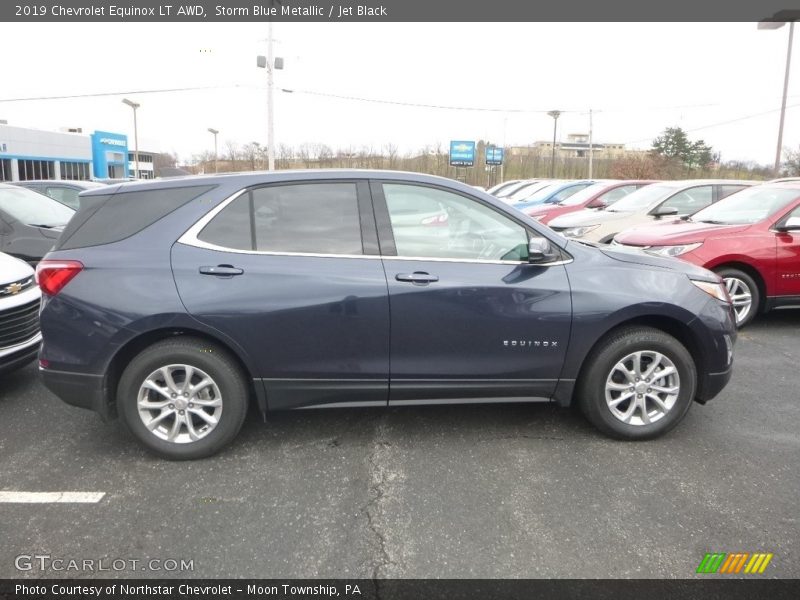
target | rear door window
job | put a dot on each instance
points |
(307, 218)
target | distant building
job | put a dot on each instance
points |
(27, 153)
(576, 146)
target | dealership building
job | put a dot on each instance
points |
(68, 154)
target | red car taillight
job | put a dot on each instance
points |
(53, 275)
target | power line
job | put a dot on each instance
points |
(720, 123)
(125, 93)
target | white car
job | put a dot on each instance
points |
(19, 314)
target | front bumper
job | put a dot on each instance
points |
(79, 389)
(19, 357)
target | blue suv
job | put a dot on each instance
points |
(174, 304)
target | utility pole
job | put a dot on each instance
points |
(591, 153)
(777, 21)
(270, 101)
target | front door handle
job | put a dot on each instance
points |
(221, 271)
(417, 277)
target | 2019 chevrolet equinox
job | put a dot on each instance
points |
(175, 303)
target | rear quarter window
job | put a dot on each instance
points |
(110, 218)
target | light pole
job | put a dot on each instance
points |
(776, 22)
(555, 114)
(134, 106)
(214, 132)
(270, 63)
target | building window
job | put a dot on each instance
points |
(36, 169)
(5, 170)
(74, 170)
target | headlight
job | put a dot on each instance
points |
(673, 250)
(718, 290)
(577, 232)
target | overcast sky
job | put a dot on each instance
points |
(638, 78)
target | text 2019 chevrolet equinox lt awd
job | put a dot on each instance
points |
(175, 303)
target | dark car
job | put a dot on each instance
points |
(64, 190)
(175, 303)
(30, 222)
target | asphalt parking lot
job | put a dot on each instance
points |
(473, 491)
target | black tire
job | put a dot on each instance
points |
(199, 354)
(617, 345)
(755, 293)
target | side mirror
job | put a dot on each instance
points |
(790, 224)
(664, 211)
(540, 251)
(596, 204)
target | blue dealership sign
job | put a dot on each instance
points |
(494, 155)
(462, 154)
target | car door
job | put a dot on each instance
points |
(470, 317)
(788, 257)
(291, 273)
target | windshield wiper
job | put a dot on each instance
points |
(42, 225)
(712, 222)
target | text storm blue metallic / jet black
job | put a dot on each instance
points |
(175, 303)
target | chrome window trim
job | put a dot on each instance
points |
(190, 238)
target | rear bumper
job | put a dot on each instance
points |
(78, 389)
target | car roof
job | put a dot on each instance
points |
(249, 178)
(76, 182)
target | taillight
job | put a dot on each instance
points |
(53, 275)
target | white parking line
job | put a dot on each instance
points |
(51, 497)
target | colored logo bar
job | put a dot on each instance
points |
(735, 562)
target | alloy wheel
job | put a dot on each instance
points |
(642, 387)
(179, 403)
(741, 296)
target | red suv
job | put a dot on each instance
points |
(597, 195)
(751, 239)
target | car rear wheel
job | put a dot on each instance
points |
(639, 383)
(183, 398)
(744, 294)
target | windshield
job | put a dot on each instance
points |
(505, 192)
(643, 198)
(746, 207)
(33, 208)
(583, 195)
(537, 194)
(528, 190)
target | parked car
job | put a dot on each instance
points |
(527, 189)
(651, 203)
(508, 191)
(19, 314)
(598, 195)
(751, 240)
(30, 222)
(494, 190)
(552, 194)
(64, 190)
(175, 303)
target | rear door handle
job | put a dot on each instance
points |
(417, 278)
(221, 271)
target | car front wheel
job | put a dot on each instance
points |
(183, 398)
(744, 294)
(638, 384)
